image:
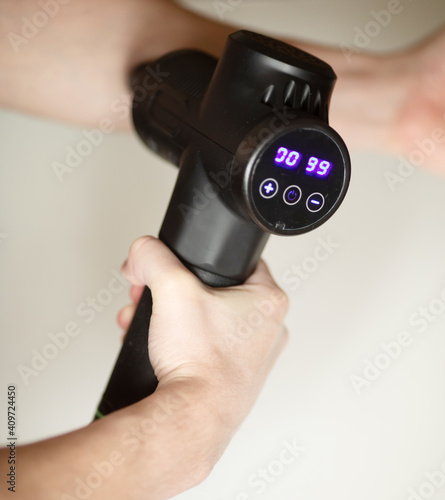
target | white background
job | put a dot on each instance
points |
(61, 241)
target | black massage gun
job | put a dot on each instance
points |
(256, 156)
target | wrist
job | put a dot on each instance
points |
(186, 420)
(203, 402)
(219, 398)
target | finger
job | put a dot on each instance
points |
(152, 263)
(135, 293)
(125, 316)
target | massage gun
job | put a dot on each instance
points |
(256, 156)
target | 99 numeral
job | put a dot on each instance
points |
(323, 167)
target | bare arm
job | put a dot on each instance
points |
(153, 450)
(75, 67)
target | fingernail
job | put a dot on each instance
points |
(125, 315)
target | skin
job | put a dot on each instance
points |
(170, 441)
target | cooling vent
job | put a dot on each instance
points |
(309, 100)
(268, 96)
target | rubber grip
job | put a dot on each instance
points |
(133, 376)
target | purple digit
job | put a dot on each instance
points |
(292, 158)
(281, 155)
(312, 164)
(325, 167)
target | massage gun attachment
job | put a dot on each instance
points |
(256, 156)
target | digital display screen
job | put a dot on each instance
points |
(291, 160)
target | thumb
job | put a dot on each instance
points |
(150, 262)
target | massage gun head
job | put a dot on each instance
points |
(254, 125)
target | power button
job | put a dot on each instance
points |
(292, 195)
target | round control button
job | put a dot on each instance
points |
(269, 188)
(315, 202)
(292, 195)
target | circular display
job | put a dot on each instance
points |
(298, 178)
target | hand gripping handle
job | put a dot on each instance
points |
(133, 377)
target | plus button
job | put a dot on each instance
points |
(269, 188)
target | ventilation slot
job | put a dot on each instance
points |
(317, 104)
(305, 97)
(268, 95)
(290, 95)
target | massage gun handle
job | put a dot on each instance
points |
(133, 377)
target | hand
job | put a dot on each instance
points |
(209, 369)
(226, 339)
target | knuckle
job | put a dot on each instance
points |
(177, 276)
(280, 301)
(138, 246)
(180, 280)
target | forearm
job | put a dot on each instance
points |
(74, 65)
(153, 450)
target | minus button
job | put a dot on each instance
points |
(315, 202)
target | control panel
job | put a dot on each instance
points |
(298, 179)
